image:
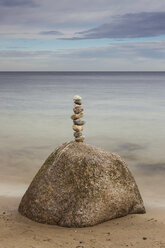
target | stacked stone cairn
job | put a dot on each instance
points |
(81, 185)
(76, 117)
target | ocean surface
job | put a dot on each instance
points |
(124, 113)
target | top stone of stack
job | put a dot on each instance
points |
(77, 98)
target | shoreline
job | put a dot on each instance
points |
(135, 230)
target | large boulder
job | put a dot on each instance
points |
(81, 185)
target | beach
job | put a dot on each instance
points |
(124, 113)
(135, 230)
(146, 230)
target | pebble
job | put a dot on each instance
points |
(80, 139)
(78, 102)
(144, 238)
(77, 106)
(77, 97)
(77, 116)
(77, 134)
(79, 122)
(77, 128)
(78, 110)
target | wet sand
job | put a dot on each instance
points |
(143, 230)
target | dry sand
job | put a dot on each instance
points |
(16, 231)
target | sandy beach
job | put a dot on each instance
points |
(137, 230)
(142, 230)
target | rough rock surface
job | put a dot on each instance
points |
(81, 185)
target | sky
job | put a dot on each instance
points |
(82, 35)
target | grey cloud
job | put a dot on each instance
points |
(52, 32)
(128, 51)
(16, 3)
(72, 15)
(128, 56)
(128, 26)
(1, 34)
(16, 47)
(21, 54)
(150, 50)
(77, 15)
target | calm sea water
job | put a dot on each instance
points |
(124, 113)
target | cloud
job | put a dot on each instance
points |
(21, 25)
(145, 50)
(68, 17)
(149, 56)
(52, 32)
(127, 51)
(70, 14)
(128, 26)
(24, 54)
(16, 47)
(16, 3)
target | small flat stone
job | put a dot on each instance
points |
(78, 102)
(80, 139)
(79, 122)
(77, 128)
(77, 134)
(78, 110)
(77, 116)
(77, 106)
(77, 97)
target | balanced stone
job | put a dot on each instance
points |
(77, 134)
(80, 139)
(81, 185)
(78, 102)
(79, 122)
(77, 128)
(77, 97)
(78, 110)
(77, 106)
(77, 116)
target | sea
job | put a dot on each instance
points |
(124, 113)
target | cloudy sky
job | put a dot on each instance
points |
(82, 35)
